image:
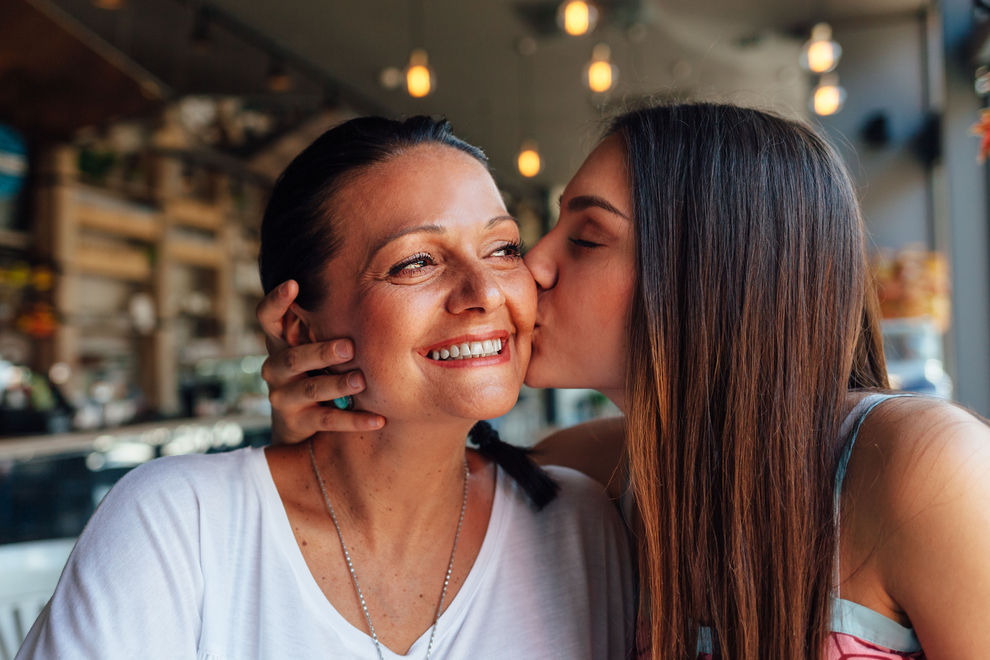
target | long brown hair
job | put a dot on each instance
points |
(752, 316)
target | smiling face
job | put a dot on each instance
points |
(585, 268)
(429, 282)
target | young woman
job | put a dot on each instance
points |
(708, 274)
(390, 543)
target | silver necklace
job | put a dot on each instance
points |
(350, 566)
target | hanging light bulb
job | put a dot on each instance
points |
(109, 4)
(600, 74)
(828, 97)
(577, 17)
(420, 80)
(820, 54)
(528, 160)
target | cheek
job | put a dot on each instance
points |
(599, 308)
(520, 298)
(382, 327)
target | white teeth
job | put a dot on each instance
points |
(474, 349)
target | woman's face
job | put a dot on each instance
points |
(585, 269)
(428, 269)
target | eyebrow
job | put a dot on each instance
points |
(582, 202)
(431, 229)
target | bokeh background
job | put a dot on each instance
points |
(139, 140)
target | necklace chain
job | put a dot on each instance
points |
(350, 565)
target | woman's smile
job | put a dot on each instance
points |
(480, 349)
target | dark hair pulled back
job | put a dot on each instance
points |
(300, 233)
(534, 481)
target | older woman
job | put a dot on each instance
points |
(386, 543)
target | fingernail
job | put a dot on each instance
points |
(343, 349)
(282, 288)
(355, 380)
(374, 422)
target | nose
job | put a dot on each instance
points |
(478, 289)
(541, 264)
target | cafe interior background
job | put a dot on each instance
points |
(139, 140)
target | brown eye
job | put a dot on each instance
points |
(511, 250)
(411, 265)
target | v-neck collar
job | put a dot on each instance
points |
(359, 641)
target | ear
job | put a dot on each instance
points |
(297, 327)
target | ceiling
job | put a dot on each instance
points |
(740, 50)
(93, 81)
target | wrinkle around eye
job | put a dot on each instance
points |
(405, 264)
(412, 276)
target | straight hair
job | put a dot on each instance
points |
(753, 314)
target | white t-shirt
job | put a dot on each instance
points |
(193, 557)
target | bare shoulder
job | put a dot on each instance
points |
(926, 441)
(596, 448)
(919, 452)
(930, 464)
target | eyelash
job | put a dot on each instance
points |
(514, 250)
(416, 258)
(577, 242)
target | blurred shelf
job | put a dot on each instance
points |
(107, 248)
(134, 223)
(194, 213)
(120, 262)
(195, 253)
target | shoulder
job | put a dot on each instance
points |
(188, 471)
(920, 446)
(138, 566)
(575, 484)
(175, 490)
(582, 503)
(595, 448)
(915, 453)
(924, 482)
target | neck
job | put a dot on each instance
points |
(404, 479)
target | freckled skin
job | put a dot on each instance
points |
(469, 287)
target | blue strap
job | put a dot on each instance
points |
(870, 626)
(857, 415)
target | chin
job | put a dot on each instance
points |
(538, 376)
(493, 407)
